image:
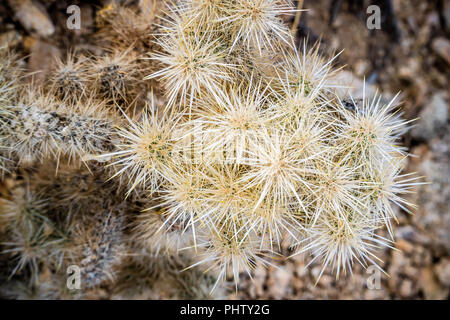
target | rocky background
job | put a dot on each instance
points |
(410, 54)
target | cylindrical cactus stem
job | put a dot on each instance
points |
(101, 248)
(42, 128)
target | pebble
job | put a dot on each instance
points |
(350, 84)
(409, 69)
(443, 272)
(259, 278)
(441, 47)
(376, 294)
(398, 260)
(405, 246)
(410, 234)
(279, 282)
(33, 17)
(406, 288)
(431, 287)
(10, 39)
(432, 119)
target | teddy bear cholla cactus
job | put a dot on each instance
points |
(267, 154)
(251, 147)
(41, 127)
(206, 43)
(62, 119)
(9, 74)
(124, 26)
(43, 239)
(33, 234)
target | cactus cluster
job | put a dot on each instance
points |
(202, 139)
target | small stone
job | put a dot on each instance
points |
(315, 271)
(302, 270)
(279, 282)
(433, 118)
(10, 38)
(29, 43)
(443, 272)
(376, 294)
(409, 69)
(405, 246)
(442, 48)
(398, 261)
(431, 287)
(42, 59)
(410, 234)
(259, 279)
(361, 68)
(350, 84)
(326, 280)
(406, 288)
(433, 20)
(411, 272)
(33, 17)
(297, 283)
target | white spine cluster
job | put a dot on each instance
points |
(254, 144)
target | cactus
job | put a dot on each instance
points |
(42, 127)
(68, 82)
(33, 238)
(9, 73)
